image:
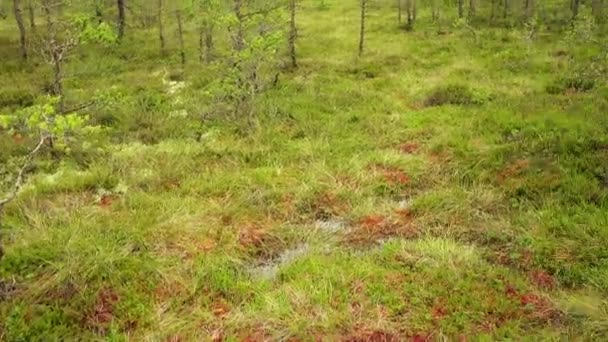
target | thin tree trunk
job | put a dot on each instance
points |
(410, 16)
(461, 9)
(239, 37)
(58, 80)
(529, 9)
(1, 209)
(98, 12)
(399, 11)
(414, 12)
(362, 31)
(597, 6)
(32, 15)
(161, 29)
(205, 43)
(21, 26)
(472, 9)
(575, 7)
(505, 13)
(49, 18)
(121, 18)
(180, 32)
(209, 46)
(201, 45)
(293, 34)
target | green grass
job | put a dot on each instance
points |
(484, 216)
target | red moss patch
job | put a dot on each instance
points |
(327, 205)
(409, 148)
(220, 309)
(539, 308)
(106, 201)
(287, 207)
(373, 221)
(256, 335)
(420, 338)
(526, 307)
(513, 170)
(395, 279)
(392, 175)
(17, 138)
(404, 215)
(252, 236)
(368, 335)
(533, 306)
(102, 314)
(217, 335)
(395, 176)
(206, 245)
(169, 290)
(542, 279)
(440, 157)
(257, 239)
(439, 311)
(522, 259)
(510, 291)
(372, 228)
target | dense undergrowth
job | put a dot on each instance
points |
(438, 187)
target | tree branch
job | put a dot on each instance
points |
(261, 11)
(19, 181)
(79, 107)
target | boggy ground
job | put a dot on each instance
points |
(433, 189)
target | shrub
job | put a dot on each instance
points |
(578, 84)
(16, 98)
(454, 94)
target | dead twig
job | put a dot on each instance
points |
(20, 176)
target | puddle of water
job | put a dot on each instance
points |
(405, 204)
(270, 269)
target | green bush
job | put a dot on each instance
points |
(577, 84)
(454, 94)
(10, 97)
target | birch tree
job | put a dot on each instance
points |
(18, 11)
(121, 20)
(161, 29)
(293, 33)
(362, 27)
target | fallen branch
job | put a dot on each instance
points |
(20, 176)
(78, 108)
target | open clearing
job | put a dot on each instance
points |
(440, 187)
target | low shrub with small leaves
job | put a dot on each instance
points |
(453, 94)
(15, 97)
(577, 84)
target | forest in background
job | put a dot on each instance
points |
(303, 170)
